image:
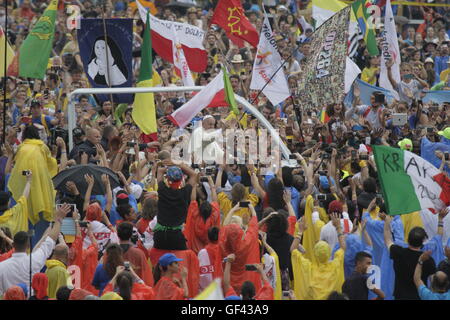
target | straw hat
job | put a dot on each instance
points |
(237, 59)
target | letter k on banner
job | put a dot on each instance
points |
(229, 15)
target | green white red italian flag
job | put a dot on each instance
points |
(410, 183)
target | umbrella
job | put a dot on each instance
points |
(180, 4)
(76, 174)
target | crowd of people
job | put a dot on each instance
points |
(131, 222)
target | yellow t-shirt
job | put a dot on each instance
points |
(367, 74)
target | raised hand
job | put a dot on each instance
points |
(89, 179)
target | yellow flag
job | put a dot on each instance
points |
(9, 53)
(144, 109)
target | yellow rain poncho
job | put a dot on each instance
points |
(16, 218)
(410, 221)
(312, 234)
(57, 277)
(34, 155)
(316, 280)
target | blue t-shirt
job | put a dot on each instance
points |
(101, 279)
(426, 294)
(48, 120)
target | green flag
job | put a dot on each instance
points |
(360, 8)
(36, 48)
(144, 111)
(229, 93)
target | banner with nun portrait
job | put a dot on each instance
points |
(107, 59)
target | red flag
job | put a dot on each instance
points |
(229, 15)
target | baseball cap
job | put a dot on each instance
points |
(78, 132)
(429, 60)
(445, 133)
(233, 298)
(167, 259)
(405, 144)
(174, 174)
(324, 182)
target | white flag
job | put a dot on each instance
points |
(389, 49)
(184, 114)
(351, 73)
(180, 62)
(267, 62)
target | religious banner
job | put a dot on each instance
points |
(322, 80)
(107, 64)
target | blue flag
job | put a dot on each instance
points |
(107, 65)
(437, 96)
(366, 91)
(427, 149)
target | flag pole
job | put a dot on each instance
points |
(5, 79)
(106, 52)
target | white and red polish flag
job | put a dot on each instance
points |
(190, 37)
(183, 115)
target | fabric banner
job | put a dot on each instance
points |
(190, 37)
(409, 182)
(32, 59)
(229, 15)
(267, 65)
(436, 96)
(322, 81)
(180, 62)
(184, 114)
(366, 90)
(110, 66)
(389, 50)
(428, 151)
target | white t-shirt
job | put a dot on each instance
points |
(328, 232)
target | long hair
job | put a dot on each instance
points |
(150, 209)
(157, 273)
(115, 52)
(330, 111)
(124, 282)
(275, 192)
(277, 224)
(114, 259)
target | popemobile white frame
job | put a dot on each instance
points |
(72, 116)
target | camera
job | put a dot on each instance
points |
(446, 156)
(244, 204)
(322, 197)
(326, 156)
(131, 144)
(209, 171)
(323, 172)
(25, 172)
(364, 157)
(250, 267)
(83, 224)
(126, 264)
(203, 179)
